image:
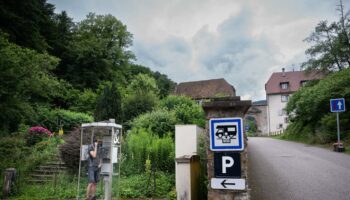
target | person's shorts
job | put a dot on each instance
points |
(93, 175)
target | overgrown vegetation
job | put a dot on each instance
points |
(309, 110)
(57, 74)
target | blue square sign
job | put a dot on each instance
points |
(337, 105)
(226, 134)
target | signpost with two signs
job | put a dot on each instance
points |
(226, 140)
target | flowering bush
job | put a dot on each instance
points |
(36, 134)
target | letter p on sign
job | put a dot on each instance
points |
(227, 161)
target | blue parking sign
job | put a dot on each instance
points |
(337, 105)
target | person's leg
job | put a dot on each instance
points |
(91, 179)
(89, 190)
(93, 190)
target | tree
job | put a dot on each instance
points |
(100, 51)
(331, 48)
(109, 104)
(25, 80)
(28, 23)
(141, 96)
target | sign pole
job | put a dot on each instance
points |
(338, 131)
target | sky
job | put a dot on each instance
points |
(243, 41)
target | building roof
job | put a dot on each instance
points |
(260, 103)
(205, 89)
(294, 79)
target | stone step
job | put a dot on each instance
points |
(47, 171)
(45, 167)
(42, 176)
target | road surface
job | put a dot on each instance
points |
(282, 170)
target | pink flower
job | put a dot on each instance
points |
(40, 130)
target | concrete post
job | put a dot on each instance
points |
(187, 161)
(221, 108)
(9, 178)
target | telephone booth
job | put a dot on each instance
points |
(109, 154)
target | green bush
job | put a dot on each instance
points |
(160, 122)
(54, 119)
(185, 109)
(309, 109)
(141, 146)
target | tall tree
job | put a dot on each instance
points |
(109, 104)
(25, 80)
(100, 46)
(29, 23)
(331, 44)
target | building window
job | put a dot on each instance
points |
(303, 83)
(286, 120)
(284, 111)
(284, 85)
(284, 98)
(279, 126)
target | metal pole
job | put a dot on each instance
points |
(338, 129)
(81, 143)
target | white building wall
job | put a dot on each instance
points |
(275, 113)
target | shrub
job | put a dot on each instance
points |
(54, 119)
(159, 122)
(185, 109)
(143, 147)
(36, 134)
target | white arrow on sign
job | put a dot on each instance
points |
(228, 183)
(340, 105)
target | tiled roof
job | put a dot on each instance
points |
(205, 89)
(294, 80)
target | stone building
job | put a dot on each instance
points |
(258, 113)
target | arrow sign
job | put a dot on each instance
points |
(228, 183)
(337, 105)
(224, 183)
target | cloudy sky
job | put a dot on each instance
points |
(243, 41)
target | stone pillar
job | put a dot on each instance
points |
(9, 178)
(222, 108)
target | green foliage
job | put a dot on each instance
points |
(252, 126)
(160, 122)
(186, 110)
(29, 23)
(143, 84)
(135, 104)
(99, 51)
(108, 104)
(142, 146)
(140, 185)
(331, 49)
(57, 118)
(164, 84)
(85, 102)
(24, 79)
(64, 187)
(309, 109)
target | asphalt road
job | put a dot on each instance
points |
(281, 170)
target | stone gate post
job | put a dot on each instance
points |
(222, 108)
